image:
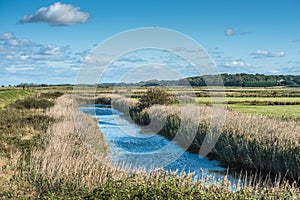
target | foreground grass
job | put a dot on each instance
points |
(20, 132)
(59, 166)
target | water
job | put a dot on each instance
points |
(148, 151)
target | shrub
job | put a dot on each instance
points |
(155, 96)
(52, 95)
(30, 103)
(103, 100)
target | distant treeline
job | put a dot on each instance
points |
(246, 80)
(242, 80)
(31, 85)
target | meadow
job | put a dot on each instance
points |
(279, 102)
(8, 95)
(43, 155)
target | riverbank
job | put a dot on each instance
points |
(60, 166)
(247, 142)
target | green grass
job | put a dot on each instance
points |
(251, 99)
(8, 96)
(279, 107)
(285, 111)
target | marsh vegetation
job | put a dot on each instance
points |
(43, 155)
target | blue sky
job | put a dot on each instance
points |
(48, 45)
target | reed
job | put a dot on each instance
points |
(246, 141)
(65, 167)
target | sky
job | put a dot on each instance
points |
(48, 41)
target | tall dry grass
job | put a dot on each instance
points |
(246, 141)
(65, 157)
(65, 167)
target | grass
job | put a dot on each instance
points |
(245, 100)
(136, 92)
(21, 131)
(249, 100)
(283, 112)
(249, 141)
(8, 96)
(45, 156)
(65, 169)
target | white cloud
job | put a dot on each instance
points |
(24, 60)
(49, 50)
(266, 54)
(7, 36)
(10, 39)
(229, 32)
(131, 59)
(58, 14)
(232, 32)
(14, 69)
(237, 63)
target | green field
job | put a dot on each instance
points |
(279, 102)
(279, 107)
(8, 96)
(283, 112)
(251, 100)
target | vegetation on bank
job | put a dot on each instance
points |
(60, 166)
(56, 163)
(21, 131)
(247, 141)
(278, 102)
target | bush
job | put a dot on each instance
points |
(155, 96)
(52, 95)
(30, 103)
(103, 100)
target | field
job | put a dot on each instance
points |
(278, 102)
(41, 155)
(282, 112)
(10, 95)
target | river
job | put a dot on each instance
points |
(131, 148)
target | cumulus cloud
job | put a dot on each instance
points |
(232, 32)
(10, 40)
(58, 14)
(7, 36)
(50, 50)
(267, 54)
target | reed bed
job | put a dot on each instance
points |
(268, 146)
(65, 167)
